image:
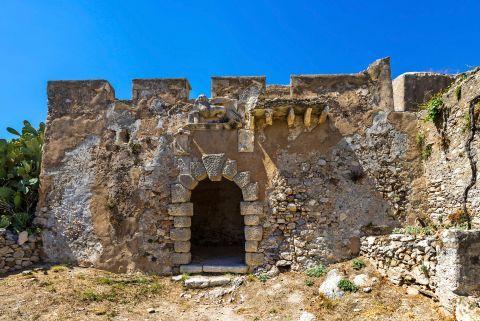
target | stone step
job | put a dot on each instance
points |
(199, 268)
(203, 281)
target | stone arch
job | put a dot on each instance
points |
(214, 167)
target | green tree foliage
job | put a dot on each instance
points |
(20, 160)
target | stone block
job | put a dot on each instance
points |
(181, 258)
(182, 221)
(251, 246)
(180, 209)
(246, 141)
(183, 164)
(239, 269)
(180, 234)
(230, 169)
(250, 192)
(198, 170)
(180, 194)
(253, 233)
(181, 246)
(251, 220)
(214, 166)
(242, 179)
(254, 259)
(191, 268)
(251, 208)
(181, 145)
(188, 181)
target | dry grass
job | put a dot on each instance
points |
(65, 293)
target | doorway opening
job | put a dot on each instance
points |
(217, 227)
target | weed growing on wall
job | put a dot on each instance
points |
(434, 108)
(20, 160)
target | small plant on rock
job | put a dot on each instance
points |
(317, 271)
(347, 285)
(308, 282)
(424, 269)
(358, 264)
(263, 277)
(185, 277)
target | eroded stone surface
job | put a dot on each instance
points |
(242, 179)
(181, 209)
(246, 140)
(198, 171)
(250, 192)
(214, 165)
(201, 281)
(230, 169)
(251, 208)
(253, 233)
(180, 194)
(188, 181)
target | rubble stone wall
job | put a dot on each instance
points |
(18, 251)
(444, 266)
(404, 259)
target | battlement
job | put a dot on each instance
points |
(172, 90)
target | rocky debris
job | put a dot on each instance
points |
(412, 291)
(202, 282)
(329, 287)
(220, 292)
(467, 309)
(404, 259)
(18, 252)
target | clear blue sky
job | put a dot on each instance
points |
(121, 40)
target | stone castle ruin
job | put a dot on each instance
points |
(256, 176)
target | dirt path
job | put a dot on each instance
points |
(61, 293)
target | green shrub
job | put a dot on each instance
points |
(20, 160)
(317, 271)
(308, 282)
(434, 108)
(347, 285)
(358, 264)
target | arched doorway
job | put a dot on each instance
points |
(217, 231)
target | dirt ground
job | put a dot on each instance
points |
(65, 293)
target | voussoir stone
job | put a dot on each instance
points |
(254, 259)
(242, 179)
(214, 165)
(253, 233)
(181, 209)
(250, 192)
(180, 234)
(188, 181)
(251, 208)
(180, 193)
(182, 221)
(230, 169)
(198, 170)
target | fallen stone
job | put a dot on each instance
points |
(412, 291)
(329, 286)
(361, 280)
(307, 316)
(201, 282)
(151, 310)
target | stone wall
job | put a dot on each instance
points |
(404, 259)
(445, 266)
(447, 168)
(18, 251)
